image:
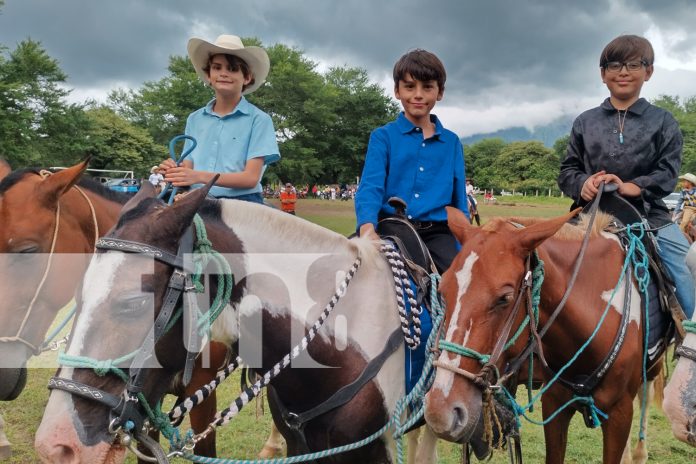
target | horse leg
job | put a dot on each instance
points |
(640, 453)
(556, 432)
(426, 447)
(616, 431)
(5, 447)
(274, 444)
(204, 413)
(412, 438)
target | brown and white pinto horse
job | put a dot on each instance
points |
(480, 290)
(272, 295)
(54, 220)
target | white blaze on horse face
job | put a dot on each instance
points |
(98, 281)
(445, 378)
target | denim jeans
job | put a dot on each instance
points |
(672, 248)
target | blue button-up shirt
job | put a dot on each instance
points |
(428, 174)
(226, 143)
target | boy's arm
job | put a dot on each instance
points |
(663, 179)
(370, 194)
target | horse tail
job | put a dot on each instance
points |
(659, 388)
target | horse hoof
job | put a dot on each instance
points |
(270, 452)
(5, 452)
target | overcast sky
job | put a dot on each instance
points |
(509, 62)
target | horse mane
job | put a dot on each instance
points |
(603, 222)
(275, 229)
(85, 182)
(14, 177)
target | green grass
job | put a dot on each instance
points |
(247, 433)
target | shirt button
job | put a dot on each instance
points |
(410, 217)
(423, 144)
(416, 195)
(417, 129)
(421, 169)
(612, 153)
(615, 131)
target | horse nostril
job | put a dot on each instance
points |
(62, 454)
(459, 418)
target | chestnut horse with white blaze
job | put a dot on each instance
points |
(284, 269)
(482, 289)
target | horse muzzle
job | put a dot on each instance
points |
(12, 382)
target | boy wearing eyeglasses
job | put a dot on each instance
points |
(629, 142)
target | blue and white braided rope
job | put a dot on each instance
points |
(402, 284)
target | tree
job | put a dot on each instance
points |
(526, 166)
(322, 122)
(115, 143)
(37, 127)
(161, 107)
(481, 162)
(685, 114)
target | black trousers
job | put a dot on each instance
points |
(440, 242)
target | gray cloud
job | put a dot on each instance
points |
(498, 53)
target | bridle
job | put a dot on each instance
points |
(128, 413)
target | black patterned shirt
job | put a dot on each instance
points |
(650, 155)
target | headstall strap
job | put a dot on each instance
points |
(126, 410)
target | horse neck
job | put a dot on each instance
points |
(84, 208)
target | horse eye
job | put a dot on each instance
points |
(504, 300)
(28, 249)
(133, 305)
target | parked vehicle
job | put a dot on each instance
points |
(124, 185)
(671, 200)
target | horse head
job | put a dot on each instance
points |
(481, 290)
(28, 208)
(122, 295)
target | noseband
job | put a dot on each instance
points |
(126, 410)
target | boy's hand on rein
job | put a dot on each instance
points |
(591, 186)
(368, 231)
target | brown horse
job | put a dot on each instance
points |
(486, 303)
(285, 270)
(54, 220)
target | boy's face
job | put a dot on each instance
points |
(624, 84)
(417, 97)
(223, 79)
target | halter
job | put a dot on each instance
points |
(127, 414)
(36, 350)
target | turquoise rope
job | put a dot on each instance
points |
(689, 326)
(414, 398)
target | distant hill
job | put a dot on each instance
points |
(547, 134)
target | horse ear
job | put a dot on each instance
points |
(185, 208)
(534, 235)
(55, 185)
(146, 190)
(458, 223)
(5, 169)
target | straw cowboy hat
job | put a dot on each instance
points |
(689, 178)
(200, 51)
(154, 169)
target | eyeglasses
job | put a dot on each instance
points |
(631, 66)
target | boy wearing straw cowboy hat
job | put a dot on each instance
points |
(234, 138)
(686, 206)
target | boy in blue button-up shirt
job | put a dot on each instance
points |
(416, 159)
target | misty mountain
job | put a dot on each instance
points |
(547, 134)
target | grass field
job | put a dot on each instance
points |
(245, 436)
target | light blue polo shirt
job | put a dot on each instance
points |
(226, 143)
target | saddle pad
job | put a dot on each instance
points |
(658, 322)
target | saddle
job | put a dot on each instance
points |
(401, 232)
